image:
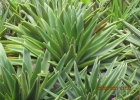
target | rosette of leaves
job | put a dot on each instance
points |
(125, 9)
(27, 82)
(74, 29)
(100, 86)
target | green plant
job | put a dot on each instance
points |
(28, 81)
(67, 36)
(71, 31)
(127, 10)
(2, 20)
(100, 86)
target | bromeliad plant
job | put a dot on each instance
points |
(100, 86)
(61, 31)
(74, 29)
(27, 82)
(127, 10)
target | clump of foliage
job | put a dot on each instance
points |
(28, 83)
(75, 29)
(65, 49)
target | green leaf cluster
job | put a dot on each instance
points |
(70, 50)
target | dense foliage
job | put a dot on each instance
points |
(69, 50)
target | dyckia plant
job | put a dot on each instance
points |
(64, 49)
(74, 29)
(100, 86)
(25, 82)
